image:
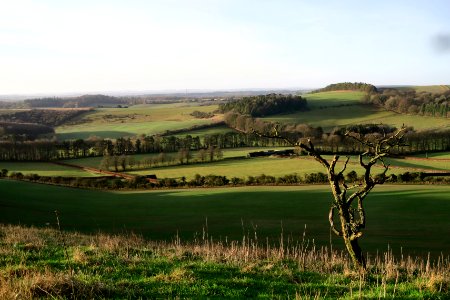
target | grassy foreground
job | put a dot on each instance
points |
(411, 218)
(46, 263)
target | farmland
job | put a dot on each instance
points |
(280, 167)
(335, 112)
(44, 169)
(265, 233)
(235, 164)
(412, 217)
(135, 120)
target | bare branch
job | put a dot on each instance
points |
(345, 166)
(330, 218)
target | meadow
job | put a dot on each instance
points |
(44, 169)
(408, 218)
(282, 166)
(344, 108)
(135, 120)
(234, 164)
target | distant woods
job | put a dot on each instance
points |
(72, 102)
(48, 117)
(23, 130)
(348, 86)
(264, 105)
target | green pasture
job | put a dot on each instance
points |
(275, 166)
(331, 109)
(331, 117)
(234, 165)
(207, 131)
(94, 162)
(426, 164)
(44, 169)
(412, 217)
(335, 98)
(135, 120)
(435, 155)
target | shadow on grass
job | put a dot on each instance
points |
(87, 134)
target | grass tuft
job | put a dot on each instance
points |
(127, 266)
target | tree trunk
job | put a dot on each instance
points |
(355, 252)
(353, 248)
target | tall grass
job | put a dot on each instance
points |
(34, 265)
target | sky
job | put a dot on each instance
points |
(62, 46)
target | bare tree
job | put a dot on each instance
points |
(349, 205)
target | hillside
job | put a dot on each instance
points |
(136, 120)
(394, 213)
(331, 109)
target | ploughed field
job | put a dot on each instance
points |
(413, 218)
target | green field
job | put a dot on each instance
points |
(436, 155)
(135, 120)
(412, 217)
(233, 165)
(282, 166)
(207, 131)
(44, 169)
(336, 98)
(334, 116)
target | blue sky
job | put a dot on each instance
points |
(85, 46)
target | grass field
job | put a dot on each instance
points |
(94, 162)
(283, 166)
(330, 99)
(412, 217)
(333, 115)
(44, 169)
(36, 264)
(234, 165)
(207, 131)
(135, 120)
(436, 155)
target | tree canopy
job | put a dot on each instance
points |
(264, 105)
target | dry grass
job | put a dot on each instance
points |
(24, 279)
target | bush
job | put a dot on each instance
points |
(316, 178)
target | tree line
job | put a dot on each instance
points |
(410, 102)
(122, 163)
(264, 105)
(14, 149)
(211, 180)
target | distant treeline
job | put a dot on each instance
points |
(352, 86)
(410, 102)
(81, 101)
(264, 105)
(42, 116)
(333, 142)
